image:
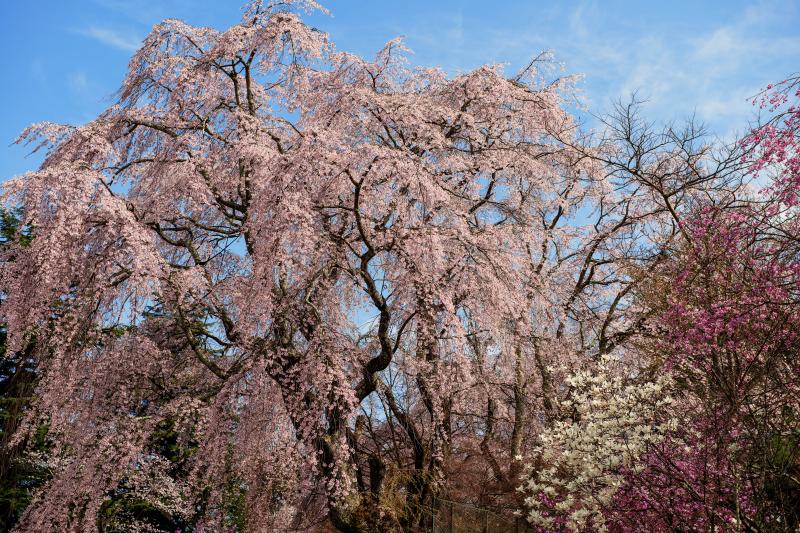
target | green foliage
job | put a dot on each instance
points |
(19, 475)
(234, 498)
(781, 473)
(124, 508)
(167, 442)
(10, 228)
(16, 489)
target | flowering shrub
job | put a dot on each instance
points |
(580, 463)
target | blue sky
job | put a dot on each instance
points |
(63, 60)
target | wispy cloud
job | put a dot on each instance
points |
(710, 70)
(715, 72)
(147, 11)
(78, 82)
(38, 70)
(122, 40)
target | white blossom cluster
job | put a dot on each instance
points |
(579, 464)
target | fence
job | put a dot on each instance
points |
(455, 517)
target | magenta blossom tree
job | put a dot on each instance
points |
(732, 337)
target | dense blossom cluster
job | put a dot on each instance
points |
(581, 462)
(732, 339)
(777, 142)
